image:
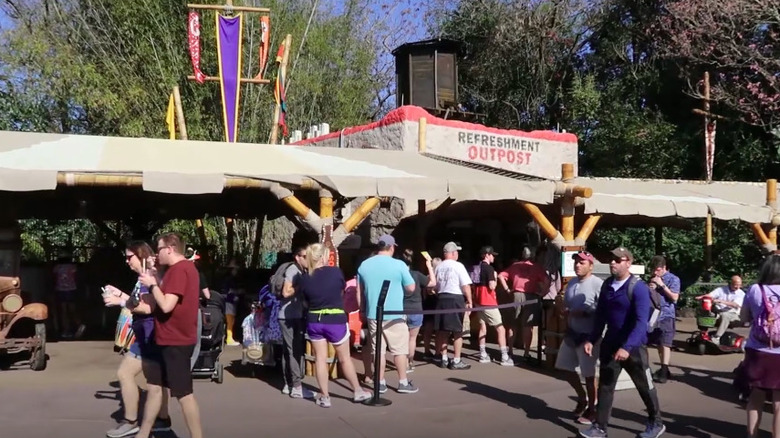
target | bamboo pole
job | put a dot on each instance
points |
(563, 189)
(761, 236)
(179, 113)
(422, 126)
(708, 242)
(771, 201)
(547, 227)
(361, 213)
(283, 73)
(229, 6)
(588, 227)
(297, 206)
(326, 206)
(567, 205)
(229, 225)
(243, 80)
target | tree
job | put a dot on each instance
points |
(738, 41)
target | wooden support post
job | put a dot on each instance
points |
(761, 236)
(361, 213)
(588, 227)
(771, 201)
(255, 259)
(179, 113)
(326, 207)
(422, 126)
(283, 72)
(230, 237)
(420, 226)
(567, 205)
(297, 206)
(547, 227)
(708, 243)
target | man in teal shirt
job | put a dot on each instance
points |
(371, 274)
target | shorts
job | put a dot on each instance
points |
(492, 317)
(663, 335)
(525, 315)
(571, 356)
(134, 351)
(762, 369)
(450, 322)
(140, 351)
(395, 334)
(170, 370)
(336, 334)
(414, 321)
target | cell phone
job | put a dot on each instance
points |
(106, 292)
(425, 255)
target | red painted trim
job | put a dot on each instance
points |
(414, 113)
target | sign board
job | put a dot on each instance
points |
(327, 240)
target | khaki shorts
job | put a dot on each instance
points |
(395, 335)
(492, 317)
(570, 358)
(527, 315)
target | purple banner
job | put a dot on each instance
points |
(229, 32)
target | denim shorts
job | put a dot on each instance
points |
(135, 350)
(414, 320)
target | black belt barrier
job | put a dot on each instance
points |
(376, 400)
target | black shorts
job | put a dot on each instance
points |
(450, 322)
(171, 370)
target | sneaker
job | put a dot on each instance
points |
(716, 340)
(409, 388)
(653, 430)
(301, 392)
(363, 396)
(382, 388)
(459, 365)
(594, 431)
(660, 376)
(232, 343)
(587, 418)
(410, 368)
(323, 402)
(125, 428)
(286, 390)
(484, 358)
(443, 364)
(161, 425)
(80, 331)
(507, 362)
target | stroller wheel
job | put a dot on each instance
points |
(219, 373)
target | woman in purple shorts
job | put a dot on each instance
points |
(327, 321)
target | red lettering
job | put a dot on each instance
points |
(492, 154)
(519, 158)
(472, 152)
(501, 154)
(510, 157)
(527, 158)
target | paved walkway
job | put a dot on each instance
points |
(77, 396)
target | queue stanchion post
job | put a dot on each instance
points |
(376, 400)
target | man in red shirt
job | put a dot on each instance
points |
(485, 295)
(526, 280)
(176, 333)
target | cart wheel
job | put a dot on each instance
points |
(220, 373)
(701, 348)
(38, 357)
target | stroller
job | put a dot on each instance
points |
(212, 338)
(261, 331)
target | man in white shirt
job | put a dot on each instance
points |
(728, 303)
(453, 286)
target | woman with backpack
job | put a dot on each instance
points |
(762, 349)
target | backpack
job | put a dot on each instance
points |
(767, 326)
(276, 282)
(655, 301)
(476, 274)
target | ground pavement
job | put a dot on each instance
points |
(77, 396)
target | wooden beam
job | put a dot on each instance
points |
(708, 242)
(761, 236)
(243, 80)
(537, 215)
(229, 224)
(229, 7)
(422, 126)
(588, 227)
(179, 113)
(360, 214)
(297, 206)
(708, 114)
(326, 206)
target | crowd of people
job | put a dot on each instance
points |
(611, 322)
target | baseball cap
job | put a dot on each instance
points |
(485, 250)
(621, 252)
(584, 255)
(451, 247)
(386, 241)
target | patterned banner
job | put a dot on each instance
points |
(193, 39)
(710, 127)
(265, 40)
(229, 31)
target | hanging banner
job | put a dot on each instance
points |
(193, 38)
(280, 94)
(229, 31)
(709, 145)
(265, 41)
(170, 118)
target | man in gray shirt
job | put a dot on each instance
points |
(580, 299)
(293, 329)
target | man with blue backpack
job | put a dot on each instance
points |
(624, 308)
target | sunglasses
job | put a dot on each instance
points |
(619, 259)
(129, 257)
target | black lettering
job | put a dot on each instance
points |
(493, 140)
(461, 137)
(485, 140)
